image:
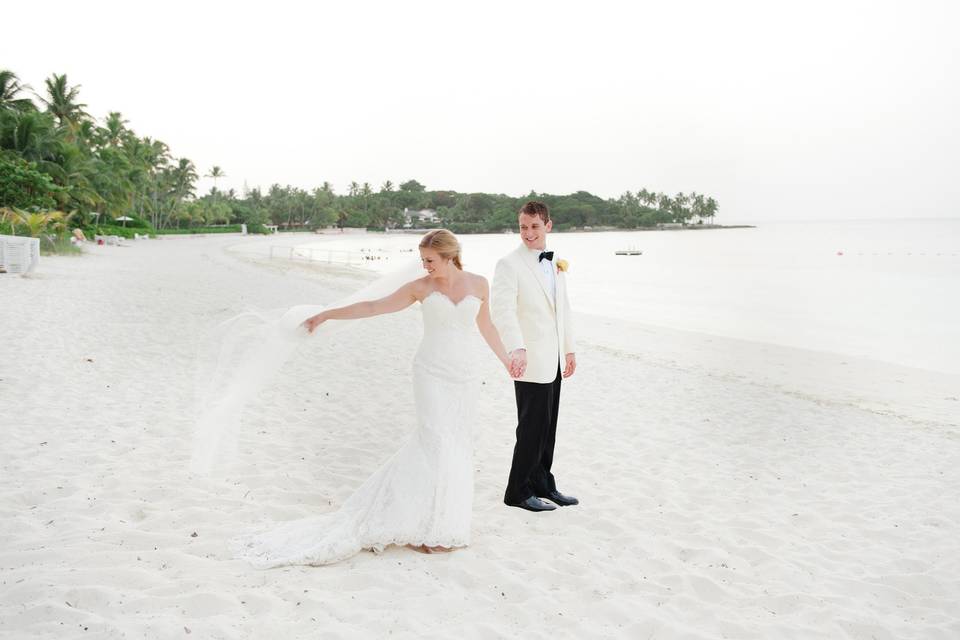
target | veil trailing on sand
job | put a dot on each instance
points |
(239, 357)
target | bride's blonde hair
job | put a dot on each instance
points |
(443, 242)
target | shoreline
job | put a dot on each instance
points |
(420, 231)
(260, 247)
(392, 231)
(686, 227)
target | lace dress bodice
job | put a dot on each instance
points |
(445, 350)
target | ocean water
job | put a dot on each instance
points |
(887, 290)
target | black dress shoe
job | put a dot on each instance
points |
(560, 499)
(533, 503)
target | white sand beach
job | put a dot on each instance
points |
(729, 489)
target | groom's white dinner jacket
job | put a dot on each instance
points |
(529, 317)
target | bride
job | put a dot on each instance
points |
(422, 496)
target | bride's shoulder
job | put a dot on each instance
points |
(474, 278)
(420, 287)
(478, 283)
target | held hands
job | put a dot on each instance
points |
(313, 322)
(571, 365)
(517, 365)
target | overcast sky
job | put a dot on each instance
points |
(779, 110)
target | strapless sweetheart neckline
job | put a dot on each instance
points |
(449, 299)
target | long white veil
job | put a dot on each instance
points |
(239, 357)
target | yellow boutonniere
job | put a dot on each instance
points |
(562, 265)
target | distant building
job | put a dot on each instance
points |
(412, 217)
(670, 225)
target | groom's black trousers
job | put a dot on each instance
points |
(537, 407)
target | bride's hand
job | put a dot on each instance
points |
(518, 363)
(313, 322)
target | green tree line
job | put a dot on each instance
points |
(55, 156)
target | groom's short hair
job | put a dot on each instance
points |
(536, 208)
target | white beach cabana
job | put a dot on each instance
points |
(18, 254)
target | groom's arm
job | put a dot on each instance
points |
(504, 306)
(569, 335)
(569, 338)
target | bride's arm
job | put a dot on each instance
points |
(396, 301)
(489, 331)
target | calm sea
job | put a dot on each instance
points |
(888, 290)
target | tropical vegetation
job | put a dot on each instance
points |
(56, 157)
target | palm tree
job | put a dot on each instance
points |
(215, 173)
(648, 198)
(61, 102)
(172, 187)
(37, 224)
(9, 88)
(680, 210)
(664, 202)
(185, 175)
(113, 179)
(30, 134)
(710, 208)
(699, 205)
(75, 170)
(145, 158)
(115, 130)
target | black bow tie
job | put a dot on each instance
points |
(545, 254)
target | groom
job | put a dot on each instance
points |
(532, 314)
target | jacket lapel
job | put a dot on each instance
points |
(530, 259)
(561, 288)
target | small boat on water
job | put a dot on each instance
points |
(632, 251)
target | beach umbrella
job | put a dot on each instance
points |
(124, 219)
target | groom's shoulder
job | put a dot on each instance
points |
(513, 255)
(508, 260)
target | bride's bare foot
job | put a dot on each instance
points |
(419, 549)
(425, 549)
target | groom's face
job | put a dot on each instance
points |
(533, 231)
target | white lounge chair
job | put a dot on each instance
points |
(107, 239)
(19, 254)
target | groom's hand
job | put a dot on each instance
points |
(571, 365)
(518, 362)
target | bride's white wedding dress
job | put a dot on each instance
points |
(422, 495)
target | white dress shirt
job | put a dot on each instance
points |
(550, 271)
